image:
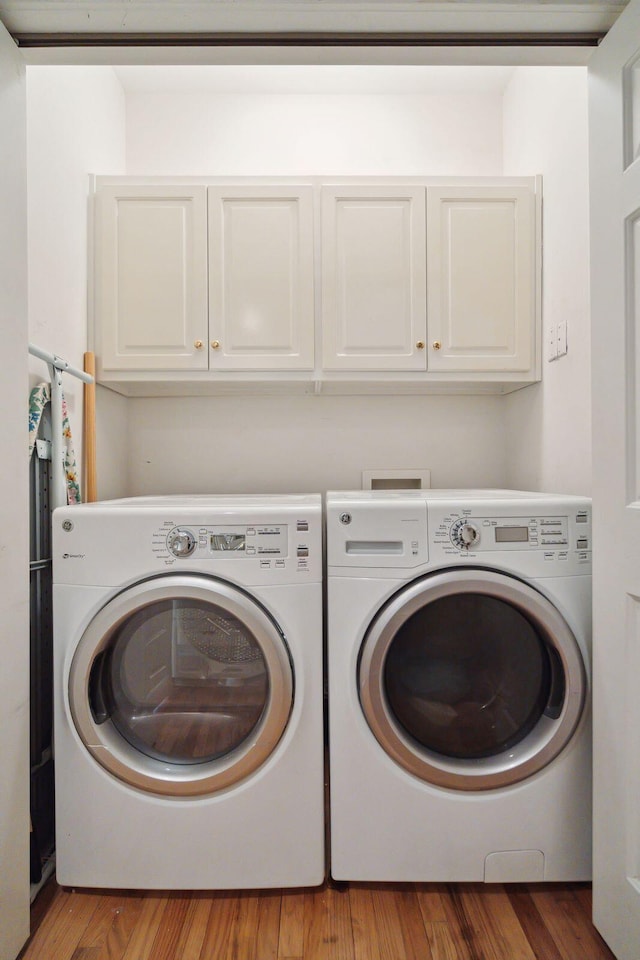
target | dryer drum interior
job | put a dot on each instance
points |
(471, 679)
(181, 685)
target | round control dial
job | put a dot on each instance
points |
(181, 542)
(464, 535)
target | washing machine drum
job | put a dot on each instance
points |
(181, 685)
(471, 679)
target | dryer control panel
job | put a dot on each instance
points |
(252, 540)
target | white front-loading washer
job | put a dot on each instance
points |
(458, 659)
(188, 693)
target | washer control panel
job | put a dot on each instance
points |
(542, 535)
(464, 534)
(468, 533)
(491, 533)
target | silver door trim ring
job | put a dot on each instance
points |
(126, 763)
(547, 739)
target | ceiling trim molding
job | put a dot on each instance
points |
(64, 19)
(30, 41)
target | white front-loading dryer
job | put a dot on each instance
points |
(458, 658)
(188, 693)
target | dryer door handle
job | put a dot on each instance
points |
(97, 699)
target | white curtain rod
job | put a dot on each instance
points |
(59, 363)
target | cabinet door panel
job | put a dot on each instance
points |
(481, 278)
(373, 265)
(151, 282)
(261, 313)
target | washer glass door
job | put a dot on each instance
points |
(181, 685)
(471, 679)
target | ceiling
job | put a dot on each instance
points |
(305, 22)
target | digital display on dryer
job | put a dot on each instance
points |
(227, 542)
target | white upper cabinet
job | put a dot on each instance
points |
(399, 286)
(151, 278)
(481, 279)
(373, 278)
(185, 284)
(261, 309)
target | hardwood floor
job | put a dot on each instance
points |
(351, 922)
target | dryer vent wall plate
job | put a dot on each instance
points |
(416, 479)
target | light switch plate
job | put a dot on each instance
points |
(562, 338)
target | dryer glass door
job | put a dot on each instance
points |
(471, 679)
(183, 681)
(181, 685)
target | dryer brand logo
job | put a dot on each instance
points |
(73, 556)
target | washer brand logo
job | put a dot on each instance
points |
(73, 556)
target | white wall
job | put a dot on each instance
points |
(270, 135)
(14, 512)
(549, 425)
(76, 127)
(312, 443)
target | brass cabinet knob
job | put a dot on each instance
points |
(197, 344)
(420, 344)
(215, 344)
(436, 344)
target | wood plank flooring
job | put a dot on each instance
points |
(347, 922)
